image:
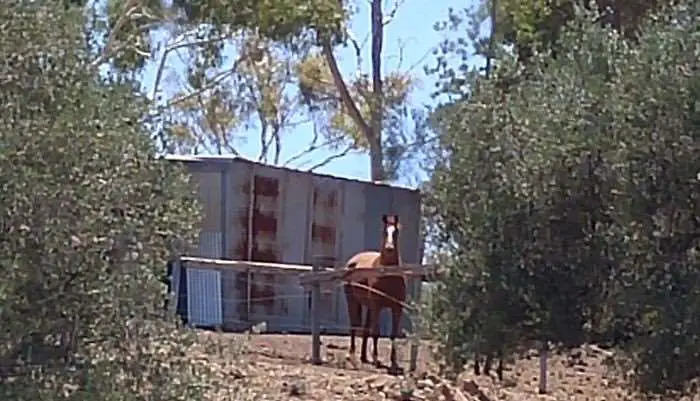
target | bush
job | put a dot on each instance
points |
(89, 218)
(568, 202)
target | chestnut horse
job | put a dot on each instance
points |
(362, 288)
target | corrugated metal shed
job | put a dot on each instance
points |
(271, 214)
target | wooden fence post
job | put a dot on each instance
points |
(315, 323)
(320, 263)
(544, 348)
(415, 341)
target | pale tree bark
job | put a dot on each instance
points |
(374, 137)
(372, 129)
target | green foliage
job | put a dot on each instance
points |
(280, 20)
(566, 199)
(89, 218)
(522, 28)
(126, 26)
(531, 25)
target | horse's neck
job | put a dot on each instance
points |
(390, 258)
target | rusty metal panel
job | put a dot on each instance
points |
(295, 218)
(326, 216)
(235, 223)
(264, 246)
(256, 206)
(237, 205)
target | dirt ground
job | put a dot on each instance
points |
(276, 367)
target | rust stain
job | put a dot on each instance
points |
(268, 254)
(329, 201)
(323, 231)
(266, 186)
(332, 201)
(325, 234)
(264, 224)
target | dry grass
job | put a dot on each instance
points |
(276, 367)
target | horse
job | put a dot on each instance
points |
(363, 288)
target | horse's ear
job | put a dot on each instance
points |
(385, 218)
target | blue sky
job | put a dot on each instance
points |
(412, 27)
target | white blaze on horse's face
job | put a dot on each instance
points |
(390, 230)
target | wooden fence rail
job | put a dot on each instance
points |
(321, 272)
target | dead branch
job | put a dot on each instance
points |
(217, 79)
(176, 46)
(419, 61)
(392, 14)
(329, 159)
(358, 48)
(402, 47)
(310, 149)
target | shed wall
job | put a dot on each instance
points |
(281, 215)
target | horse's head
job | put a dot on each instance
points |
(391, 233)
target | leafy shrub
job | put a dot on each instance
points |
(566, 195)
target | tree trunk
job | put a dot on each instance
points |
(372, 130)
(377, 107)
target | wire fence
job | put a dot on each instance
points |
(279, 302)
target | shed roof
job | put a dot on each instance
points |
(229, 159)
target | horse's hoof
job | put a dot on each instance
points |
(376, 363)
(364, 360)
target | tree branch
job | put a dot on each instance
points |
(129, 8)
(392, 14)
(329, 159)
(176, 46)
(345, 97)
(217, 79)
(313, 146)
(358, 48)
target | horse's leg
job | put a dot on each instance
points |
(499, 368)
(355, 317)
(396, 312)
(477, 367)
(487, 363)
(365, 332)
(375, 336)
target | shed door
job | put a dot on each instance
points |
(204, 297)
